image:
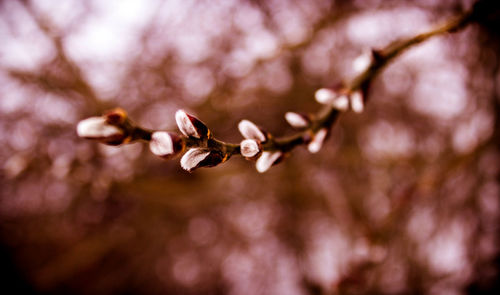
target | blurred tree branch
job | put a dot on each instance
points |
(61, 73)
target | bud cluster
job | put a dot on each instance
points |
(341, 99)
(200, 156)
(302, 121)
(251, 146)
(317, 140)
(203, 150)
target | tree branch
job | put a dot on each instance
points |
(204, 150)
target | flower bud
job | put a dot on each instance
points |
(329, 96)
(191, 126)
(165, 144)
(297, 120)
(341, 103)
(357, 104)
(200, 157)
(250, 148)
(267, 160)
(98, 128)
(250, 131)
(317, 141)
(325, 95)
(362, 62)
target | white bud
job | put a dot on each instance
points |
(341, 103)
(325, 96)
(193, 157)
(267, 160)
(249, 148)
(357, 103)
(161, 144)
(362, 62)
(250, 131)
(317, 142)
(296, 120)
(97, 127)
(185, 124)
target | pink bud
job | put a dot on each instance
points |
(362, 62)
(297, 120)
(250, 131)
(357, 103)
(200, 157)
(165, 144)
(325, 95)
(99, 129)
(267, 160)
(249, 148)
(191, 126)
(317, 142)
(330, 97)
(341, 103)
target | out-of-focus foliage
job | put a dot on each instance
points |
(403, 198)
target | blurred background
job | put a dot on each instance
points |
(402, 199)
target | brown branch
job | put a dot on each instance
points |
(213, 151)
